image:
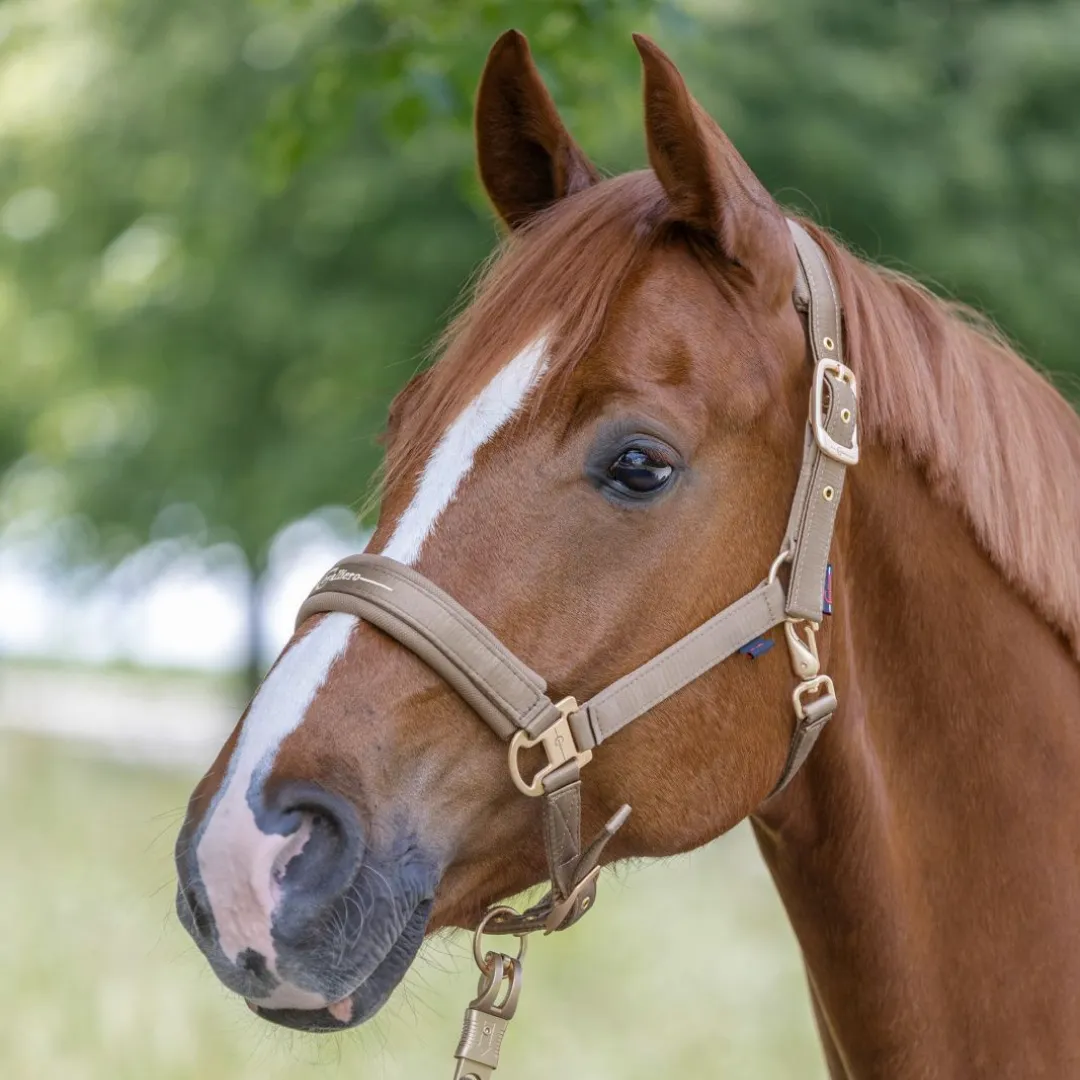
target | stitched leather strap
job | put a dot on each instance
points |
(678, 666)
(818, 713)
(418, 614)
(823, 305)
(504, 692)
(813, 515)
(563, 906)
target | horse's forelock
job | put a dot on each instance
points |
(557, 277)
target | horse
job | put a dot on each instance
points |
(601, 459)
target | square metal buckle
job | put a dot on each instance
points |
(558, 743)
(846, 455)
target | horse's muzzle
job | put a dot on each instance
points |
(297, 913)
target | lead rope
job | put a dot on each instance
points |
(490, 1012)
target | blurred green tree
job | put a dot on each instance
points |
(230, 231)
(203, 310)
(938, 138)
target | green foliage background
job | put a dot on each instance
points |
(231, 230)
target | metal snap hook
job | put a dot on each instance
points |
(490, 1012)
(804, 654)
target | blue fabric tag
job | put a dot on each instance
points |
(758, 647)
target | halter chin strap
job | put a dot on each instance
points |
(512, 699)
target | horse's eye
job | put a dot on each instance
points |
(639, 471)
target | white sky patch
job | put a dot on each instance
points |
(453, 457)
(170, 604)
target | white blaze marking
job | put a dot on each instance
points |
(452, 458)
(236, 858)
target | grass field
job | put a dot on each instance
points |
(686, 969)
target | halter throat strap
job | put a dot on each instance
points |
(513, 700)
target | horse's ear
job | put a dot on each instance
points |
(709, 185)
(527, 158)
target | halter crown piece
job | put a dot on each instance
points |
(512, 699)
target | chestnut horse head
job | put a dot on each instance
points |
(604, 457)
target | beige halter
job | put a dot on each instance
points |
(512, 699)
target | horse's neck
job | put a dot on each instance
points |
(929, 853)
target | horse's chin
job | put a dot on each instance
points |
(369, 997)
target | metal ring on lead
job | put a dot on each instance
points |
(478, 955)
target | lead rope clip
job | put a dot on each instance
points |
(490, 1012)
(807, 666)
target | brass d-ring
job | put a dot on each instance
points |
(558, 743)
(478, 951)
(783, 557)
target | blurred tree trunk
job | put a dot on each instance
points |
(256, 636)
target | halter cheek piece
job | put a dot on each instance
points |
(513, 700)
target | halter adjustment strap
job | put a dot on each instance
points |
(831, 440)
(679, 665)
(829, 446)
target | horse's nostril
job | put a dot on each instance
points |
(200, 917)
(332, 846)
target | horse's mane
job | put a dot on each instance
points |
(937, 384)
(994, 439)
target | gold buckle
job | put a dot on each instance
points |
(846, 455)
(818, 685)
(558, 743)
(561, 910)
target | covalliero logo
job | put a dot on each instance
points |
(342, 573)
